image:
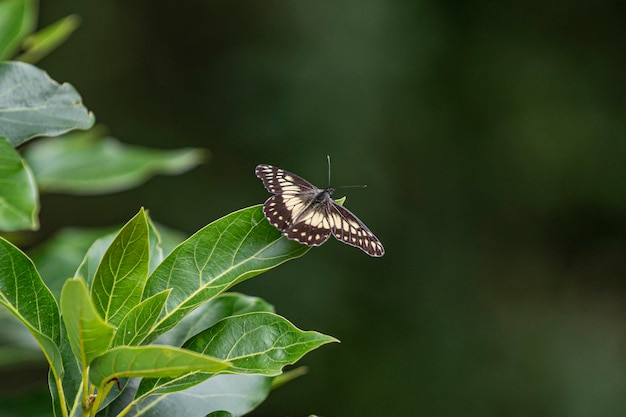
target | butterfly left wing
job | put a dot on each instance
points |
(279, 181)
(293, 196)
(347, 228)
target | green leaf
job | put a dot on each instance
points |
(150, 362)
(19, 201)
(224, 305)
(32, 104)
(40, 44)
(133, 329)
(235, 394)
(88, 334)
(121, 275)
(228, 251)
(257, 343)
(17, 19)
(163, 240)
(23, 292)
(84, 163)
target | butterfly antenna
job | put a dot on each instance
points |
(353, 186)
(328, 158)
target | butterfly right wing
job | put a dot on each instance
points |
(293, 196)
(348, 229)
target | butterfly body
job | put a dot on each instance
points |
(309, 215)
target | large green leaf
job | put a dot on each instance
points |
(236, 394)
(228, 251)
(23, 292)
(150, 362)
(85, 163)
(88, 334)
(33, 104)
(255, 343)
(19, 200)
(121, 275)
(17, 19)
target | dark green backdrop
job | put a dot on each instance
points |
(491, 137)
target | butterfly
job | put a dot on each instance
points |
(308, 215)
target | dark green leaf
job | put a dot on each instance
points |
(32, 104)
(121, 275)
(88, 334)
(84, 163)
(228, 251)
(162, 240)
(236, 394)
(19, 200)
(23, 292)
(17, 19)
(150, 362)
(257, 343)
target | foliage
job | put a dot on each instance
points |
(99, 332)
(145, 314)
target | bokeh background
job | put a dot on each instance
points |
(491, 136)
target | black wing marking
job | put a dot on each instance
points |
(347, 228)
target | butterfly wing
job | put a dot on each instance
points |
(290, 210)
(347, 228)
(279, 181)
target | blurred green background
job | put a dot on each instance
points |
(491, 136)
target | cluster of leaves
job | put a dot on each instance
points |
(131, 312)
(145, 314)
